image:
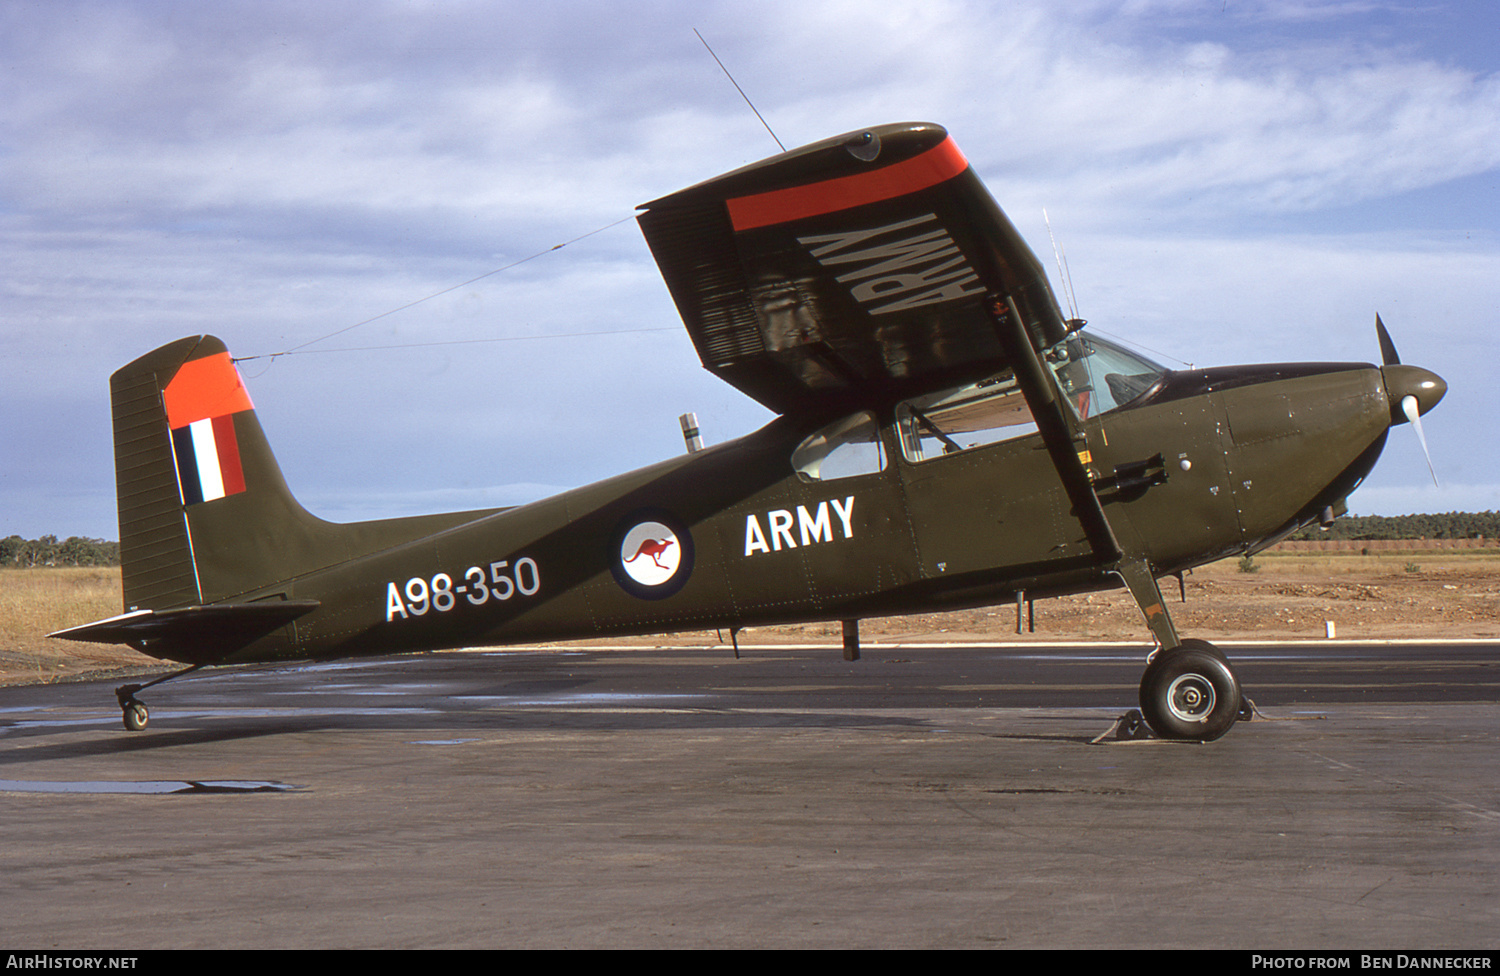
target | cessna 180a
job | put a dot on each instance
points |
(944, 439)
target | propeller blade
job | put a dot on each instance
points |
(1414, 414)
(1388, 355)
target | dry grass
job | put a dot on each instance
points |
(1384, 594)
(39, 601)
(1389, 594)
(36, 602)
(1379, 562)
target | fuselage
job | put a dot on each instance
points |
(1204, 464)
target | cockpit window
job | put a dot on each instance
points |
(1095, 375)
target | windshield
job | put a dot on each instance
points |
(1097, 376)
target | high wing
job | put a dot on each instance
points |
(861, 268)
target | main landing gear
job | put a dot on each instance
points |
(1188, 691)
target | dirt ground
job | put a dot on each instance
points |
(1394, 595)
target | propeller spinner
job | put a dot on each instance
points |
(1411, 390)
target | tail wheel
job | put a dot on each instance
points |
(1190, 692)
(136, 716)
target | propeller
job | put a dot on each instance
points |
(1416, 390)
(1387, 347)
(1413, 413)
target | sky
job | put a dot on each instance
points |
(1233, 181)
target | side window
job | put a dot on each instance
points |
(843, 449)
(1094, 376)
(970, 416)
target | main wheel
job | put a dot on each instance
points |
(1198, 644)
(136, 716)
(1190, 692)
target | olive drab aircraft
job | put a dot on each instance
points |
(944, 439)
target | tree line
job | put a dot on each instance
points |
(1444, 525)
(78, 551)
(47, 551)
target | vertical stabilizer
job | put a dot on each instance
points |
(205, 513)
(195, 480)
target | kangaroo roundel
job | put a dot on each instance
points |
(653, 555)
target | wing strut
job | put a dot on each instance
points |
(1066, 443)
(1060, 429)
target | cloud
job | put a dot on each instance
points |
(1221, 176)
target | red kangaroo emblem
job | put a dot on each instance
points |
(652, 548)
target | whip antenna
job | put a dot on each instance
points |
(1062, 268)
(740, 90)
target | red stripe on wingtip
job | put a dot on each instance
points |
(941, 162)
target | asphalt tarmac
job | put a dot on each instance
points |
(677, 797)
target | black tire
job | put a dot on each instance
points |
(1195, 643)
(1190, 692)
(136, 716)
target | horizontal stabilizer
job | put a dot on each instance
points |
(224, 627)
